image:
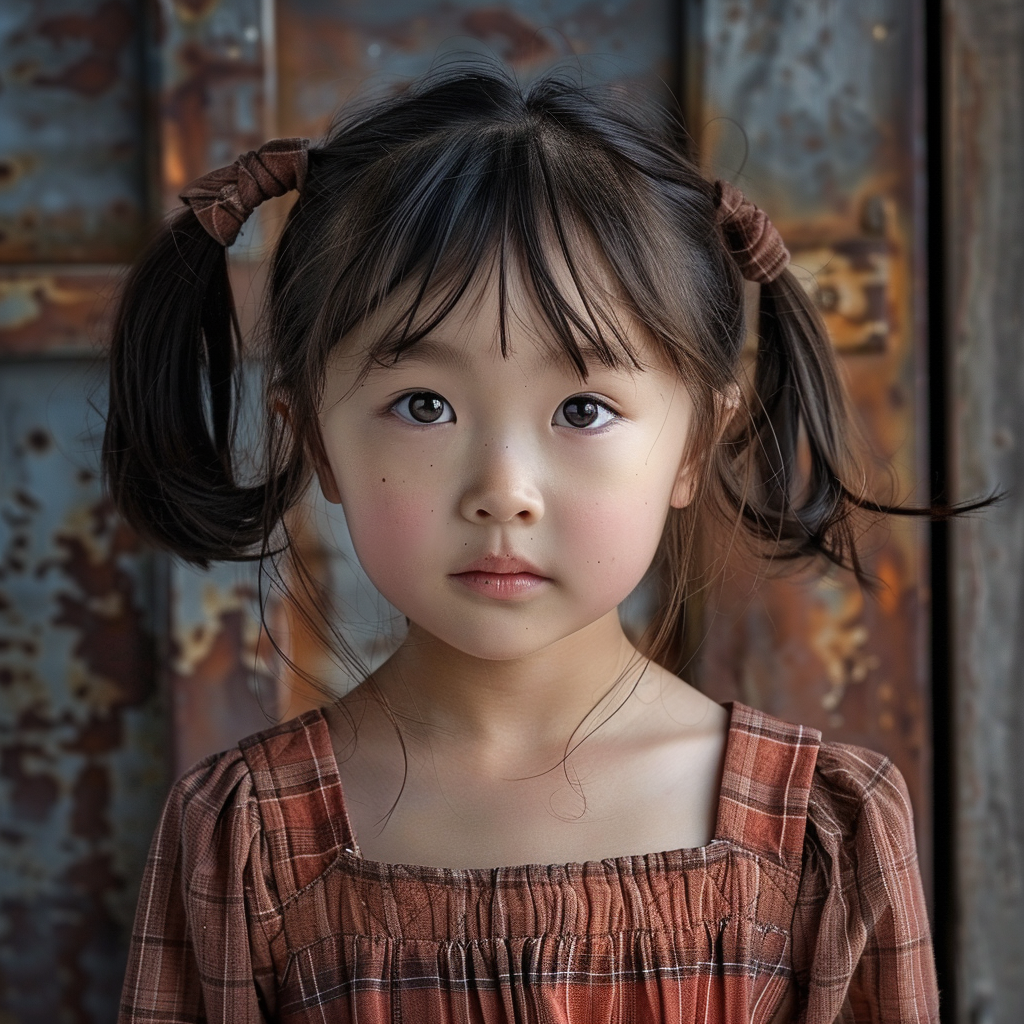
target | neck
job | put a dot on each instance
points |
(502, 710)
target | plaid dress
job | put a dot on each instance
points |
(807, 905)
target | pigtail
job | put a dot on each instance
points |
(798, 396)
(167, 451)
(816, 505)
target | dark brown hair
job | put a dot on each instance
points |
(461, 173)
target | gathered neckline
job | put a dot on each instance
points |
(693, 856)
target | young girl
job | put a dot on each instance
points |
(504, 332)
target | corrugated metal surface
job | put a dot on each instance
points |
(82, 729)
(816, 111)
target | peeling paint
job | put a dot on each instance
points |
(81, 730)
(71, 148)
(57, 311)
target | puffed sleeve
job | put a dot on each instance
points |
(862, 948)
(199, 950)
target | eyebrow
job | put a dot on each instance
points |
(433, 350)
(437, 352)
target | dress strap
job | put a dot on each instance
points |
(765, 785)
(295, 776)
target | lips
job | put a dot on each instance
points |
(504, 565)
(503, 577)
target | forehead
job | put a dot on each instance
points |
(566, 310)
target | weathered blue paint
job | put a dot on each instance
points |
(331, 50)
(804, 99)
(71, 152)
(83, 734)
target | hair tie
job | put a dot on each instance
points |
(752, 238)
(223, 199)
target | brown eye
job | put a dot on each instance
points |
(424, 407)
(583, 411)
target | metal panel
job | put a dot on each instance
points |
(814, 110)
(984, 118)
(214, 64)
(55, 310)
(71, 156)
(82, 730)
(329, 49)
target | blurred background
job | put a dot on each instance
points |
(886, 140)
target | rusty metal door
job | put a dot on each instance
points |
(119, 668)
(817, 110)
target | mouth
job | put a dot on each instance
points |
(502, 577)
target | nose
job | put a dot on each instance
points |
(503, 488)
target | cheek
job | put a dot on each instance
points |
(616, 539)
(391, 529)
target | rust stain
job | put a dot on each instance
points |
(108, 31)
(520, 42)
(224, 687)
(109, 234)
(109, 28)
(202, 647)
(104, 615)
(58, 753)
(33, 791)
(839, 638)
(13, 167)
(55, 311)
(193, 10)
(187, 125)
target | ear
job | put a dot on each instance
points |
(324, 473)
(726, 404)
(685, 485)
(321, 466)
(328, 484)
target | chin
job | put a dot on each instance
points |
(509, 647)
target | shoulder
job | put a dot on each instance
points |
(861, 939)
(225, 779)
(790, 792)
(860, 866)
(229, 800)
(859, 794)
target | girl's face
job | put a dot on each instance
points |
(496, 502)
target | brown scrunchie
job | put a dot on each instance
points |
(752, 238)
(223, 199)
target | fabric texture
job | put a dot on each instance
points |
(807, 905)
(223, 199)
(752, 238)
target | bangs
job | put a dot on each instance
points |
(591, 225)
(494, 210)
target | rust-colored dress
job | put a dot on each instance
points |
(257, 906)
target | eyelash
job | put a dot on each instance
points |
(589, 428)
(407, 417)
(408, 396)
